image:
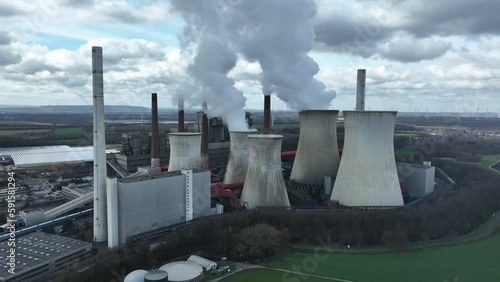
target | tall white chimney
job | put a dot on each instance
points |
(100, 212)
(360, 90)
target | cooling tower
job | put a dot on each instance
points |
(185, 151)
(264, 183)
(317, 153)
(100, 216)
(237, 165)
(367, 174)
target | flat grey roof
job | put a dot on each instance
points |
(37, 248)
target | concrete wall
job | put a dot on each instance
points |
(418, 179)
(147, 203)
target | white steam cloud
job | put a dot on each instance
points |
(278, 34)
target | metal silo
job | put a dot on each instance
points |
(317, 153)
(237, 164)
(367, 174)
(185, 151)
(264, 183)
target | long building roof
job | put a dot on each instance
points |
(29, 156)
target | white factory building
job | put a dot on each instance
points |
(418, 179)
(144, 203)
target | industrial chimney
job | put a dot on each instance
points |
(367, 174)
(266, 129)
(237, 165)
(317, 153)
(204, 138)
(184, 151)
(180, 117)
(264, 183)
(100, 212)
(360, 90)
(155, 138)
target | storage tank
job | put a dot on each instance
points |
(367, 174)
(317, 153)
(236, 169)
(183, 271)
(264, 183)
(135, 276)
(185, 151)
(156, 276)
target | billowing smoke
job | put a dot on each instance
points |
(276, 33)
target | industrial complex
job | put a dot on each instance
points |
(160, 181)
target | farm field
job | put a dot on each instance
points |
(262, 274)
(488, 160)
(405, 151)
(478, 261)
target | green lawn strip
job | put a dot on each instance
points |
(478, 261)
(405, 151)
(488, 160)
(262, 274)
(68, 130)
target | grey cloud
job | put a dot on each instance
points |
(8, 9)
(31, 66)
(5, 39)
(415, 50)
(78, 3)
(7, 57)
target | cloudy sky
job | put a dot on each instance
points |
(427, 55)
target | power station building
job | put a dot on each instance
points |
(140, 204)
(418, 179)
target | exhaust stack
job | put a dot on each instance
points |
(237, 165)
(266, 129)
(367, 174)
(184, 151)
(180, 117)
(155, 138)
(204, 137)
(264, 183)
(360, 90)
(317, 152)
(100, 177)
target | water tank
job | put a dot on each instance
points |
(135, 276)
(156, 276)
(183, 271)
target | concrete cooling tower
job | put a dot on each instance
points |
(264, 183)
(317, 153)
(237, 165)
(185, 151)
(367, 174)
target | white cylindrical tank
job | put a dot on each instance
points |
(317, 153)
(185, 151)
(264, 183)
(367, 174)
(156, 276)
(237, 164)
(135, 276)
(183, 271)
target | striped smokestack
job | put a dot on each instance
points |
(180, 117)
(155, 140)
(204, 137)
(266, 129)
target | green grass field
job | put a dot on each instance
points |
(264, 275)
(488, 160)
(478, 261)
(68, 130)
(405, 151)
(405, 134)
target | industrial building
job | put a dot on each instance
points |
(141, 204)
(39, 254)
(418, 179)
(317, 152)
(32, 217)
(203, 262)
(367, 176)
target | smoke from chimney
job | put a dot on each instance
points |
(155, 138)
(278, 34)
